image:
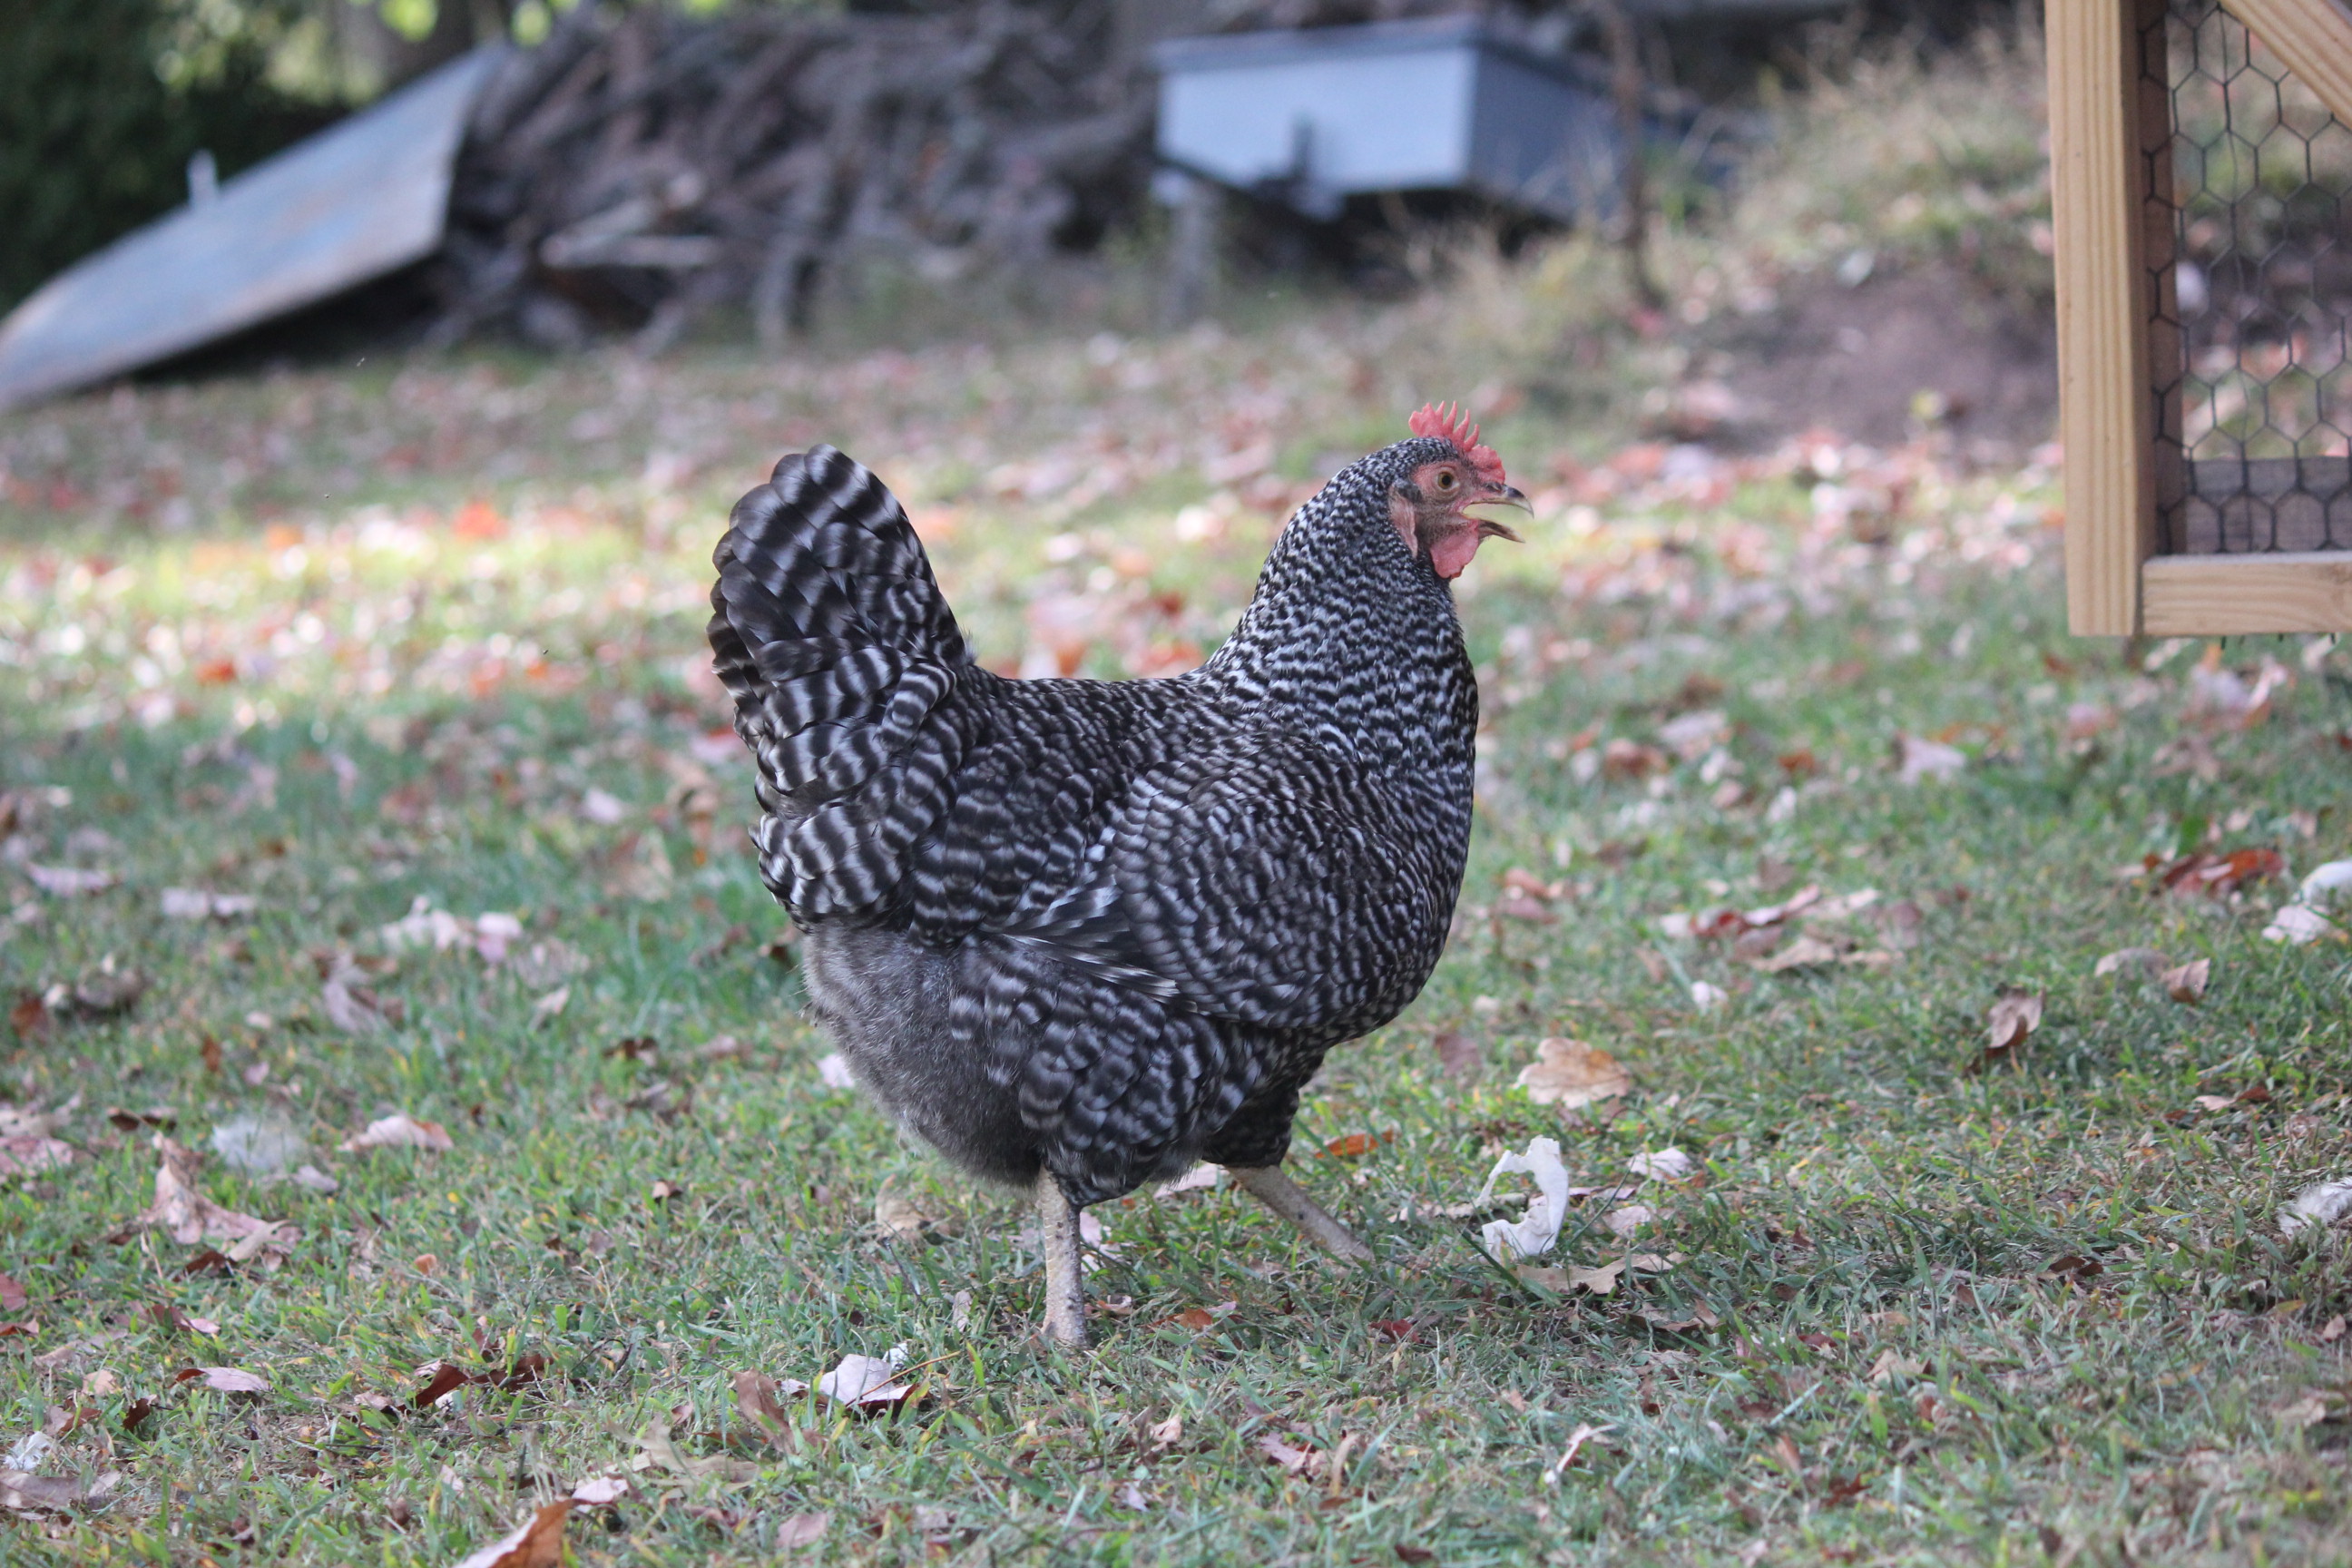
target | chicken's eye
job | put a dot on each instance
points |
(1444, 481)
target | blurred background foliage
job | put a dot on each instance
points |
(103, 102)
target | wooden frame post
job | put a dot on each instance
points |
(2107, 410)
(2119, 345)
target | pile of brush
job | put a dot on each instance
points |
(636, 172)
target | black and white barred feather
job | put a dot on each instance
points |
(1106, 927)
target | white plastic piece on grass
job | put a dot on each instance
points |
(1533, 1235)
(834, 1069)
(2304, 919)
(2321, 1203)
(30, 1451)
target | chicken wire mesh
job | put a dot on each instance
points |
(2251, 343)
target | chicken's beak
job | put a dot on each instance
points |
(1503, 495)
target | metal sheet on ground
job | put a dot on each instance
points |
(364, 197)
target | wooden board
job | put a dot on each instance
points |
(361, 199)
(2313, 38)
(2107, 413)
(2234, 595)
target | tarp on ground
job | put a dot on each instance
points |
(364, 197)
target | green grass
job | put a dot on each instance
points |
(325, 683)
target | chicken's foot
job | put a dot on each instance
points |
(1285, 1197)
(1066, 1299)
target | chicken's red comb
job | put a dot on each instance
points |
(1450, 423)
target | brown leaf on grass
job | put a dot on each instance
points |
(191, 1217)
(655, 1441)
(136, 1412)
(663, 1191)
(358, 1009)
(2146, 960)
(803, 1529)
(2218, 875)
(23, 1153)
(865, 1383)
(756, 1400)
(1586, 1434)
(2186, 984)
(1918, 759)
(29, 1493)
(1458, 1055)
(536, 1543)
(1357, 1144)
(29, 1017)
(400, 1131)
(12, 1294)
(172, 1315)
(444, 1379)
(1622, 760)
(2014, 1016)
(1568, 1073)
(227, 1379)
(1701, 1316)
(1600, 1281)
(1299, 1459)
(1805, 952)
(1166, 1434)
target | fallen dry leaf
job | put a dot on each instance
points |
(1356, 1144)
(863, 1381)
(536, 1543)
(598, 1490)
(191, 1217)
(1458, 1055)
(1662, 1165)
(22, 1154)
(659, 1451)
(400, 1131)
(12, 1294)
(1585, 1435)
(2186, 984)
(2014, 1016)
(1894, 1364)
(1805, 952)
(1627, 1220)
(69, 881)
(756, 1400)
(2218, 875)
(1298, 1459)
(2146, 960)
(1600, 1281)
(29, 1493)
(1918, 759)
(196, 904)
(227, 1379)
(1169, 1433)
(1568, 1073)
(803, 1529)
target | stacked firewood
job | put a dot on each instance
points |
(637, 173)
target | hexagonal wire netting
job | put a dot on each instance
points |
(2253, 321)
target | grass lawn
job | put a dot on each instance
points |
(364, 645)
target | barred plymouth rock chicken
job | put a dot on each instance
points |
(1079, 934)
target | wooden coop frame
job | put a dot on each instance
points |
(2113, 217)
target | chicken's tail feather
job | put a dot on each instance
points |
(839, 649)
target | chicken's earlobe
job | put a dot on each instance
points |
(1406, 516)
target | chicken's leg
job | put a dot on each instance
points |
(1058, 1226)
(1277, 1192)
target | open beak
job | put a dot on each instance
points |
(1503, 495)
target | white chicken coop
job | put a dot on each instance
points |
(1314, 116)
